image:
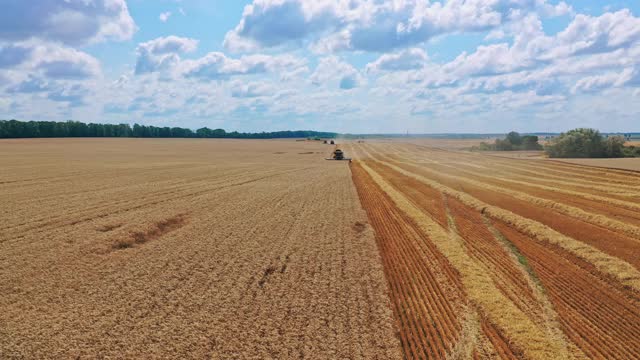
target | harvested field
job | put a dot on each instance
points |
(498, 257)
(444, 143)
(262, 249)
(132, 248)
(624, 163)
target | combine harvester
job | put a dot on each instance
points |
(338, 155)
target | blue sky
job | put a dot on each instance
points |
(338, 65)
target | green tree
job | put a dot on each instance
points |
(577, 143)
(137, 130)
(219, 133)
(614, 147)
(22, 129)
(503, 145)
(530, 142)
(204, 132)
(514, 138)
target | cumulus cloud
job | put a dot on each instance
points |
(587, 44)
(49, 61)
(162, 53)
(588, 35)
(169, 44)
(73, 95)
(164, 17)
(331, 69)
(409, 59)
(251, 90)
(372, 26)
(216, 65)
(65, 63)
(30, 85)
(488, 60)
(517, 68)
(610, 79)
(68, 21)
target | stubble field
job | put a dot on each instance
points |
(492, 257)
(186, 248)
(261, 249)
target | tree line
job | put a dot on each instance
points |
(576, 143)
(589, 143)
(47, 129)
(513, 141)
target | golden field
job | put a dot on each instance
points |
(188, 248)
(142, 248)
(620, 163)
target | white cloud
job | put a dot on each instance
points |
(48, 60)
(251, 90)
(73, 95)
(331, 70)
(520, 73)
(610, 41)
(68, 21)
(216, 65)
(607, 80)
(589, 35)
(495, 34)
(162, 53)
(164, 16)
(372, 26)
(65, 63)
(30, 85)
(409, 59)
(169, 44)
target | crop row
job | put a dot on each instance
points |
(564, 256)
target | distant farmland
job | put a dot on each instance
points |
(490, 257)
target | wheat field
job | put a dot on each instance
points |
(495, 257)
(140, 248)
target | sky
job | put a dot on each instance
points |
(357, 66)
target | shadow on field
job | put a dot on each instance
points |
(154, 232)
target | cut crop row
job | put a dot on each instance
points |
(598, 314)
(616, 244)
(426, 301)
